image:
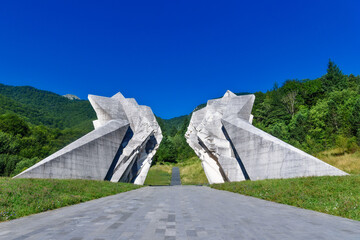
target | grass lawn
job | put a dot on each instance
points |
(191, 173)
(21, 197)
(334, 195)
(159, 175)
(348, 162)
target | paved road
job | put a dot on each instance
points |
(180, 212)
(175, 176)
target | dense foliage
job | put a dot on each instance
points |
(174, 147)
(23, 144)
(45, 108)
(35, 123)
(313, 115)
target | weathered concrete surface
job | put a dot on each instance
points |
(106, 109)
(265, 156)
(135, 161)
(80, 159)
(231, 149)
(121, 147)
(180, 212)
(206, 137)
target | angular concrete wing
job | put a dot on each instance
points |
(265, 156)
(231, 149)
(87, 158)
(121, 147)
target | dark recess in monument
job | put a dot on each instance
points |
(246, 175)
(129, 134)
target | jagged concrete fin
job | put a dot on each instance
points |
(118, 96)
(245, 111)
(265, 156)
(130, 153)
(229, 94)
(99, 110)
(239, 106)
(221, 134)
(87, 158)
(125, 134)
(107, 109)
(133, 101)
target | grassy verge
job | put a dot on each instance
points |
(348, 162)
(191, 172)
(22, 197)
(159, 175)
(332, 195)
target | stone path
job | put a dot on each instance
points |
(180, 212)
(175, 176)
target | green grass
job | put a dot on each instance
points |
(22, 197)
(338, 196)
(346, 161)
(159, 175)
(191, 173)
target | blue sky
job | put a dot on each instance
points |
(174, 55)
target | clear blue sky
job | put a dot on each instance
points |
(174, 55)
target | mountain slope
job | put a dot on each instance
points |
(46, 108)
(313, 115)
(36, 123)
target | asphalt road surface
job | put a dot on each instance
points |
(175, 176)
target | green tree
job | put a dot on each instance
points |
(299, 126)
(334, 78)
(14, 125)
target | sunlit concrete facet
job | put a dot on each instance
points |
(232, 149)
(120, 148)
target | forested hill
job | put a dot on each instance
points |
(313, 115)
(46, 108)
(36, 123)
(173, 147)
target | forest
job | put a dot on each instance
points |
(35, 124)
(313, 115)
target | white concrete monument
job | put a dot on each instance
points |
(232, 149)
(121, 147)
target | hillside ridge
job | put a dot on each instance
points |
(312, 115)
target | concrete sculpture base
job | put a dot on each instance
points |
(121, 147)
(232, 149)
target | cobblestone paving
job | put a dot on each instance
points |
(179, 212)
